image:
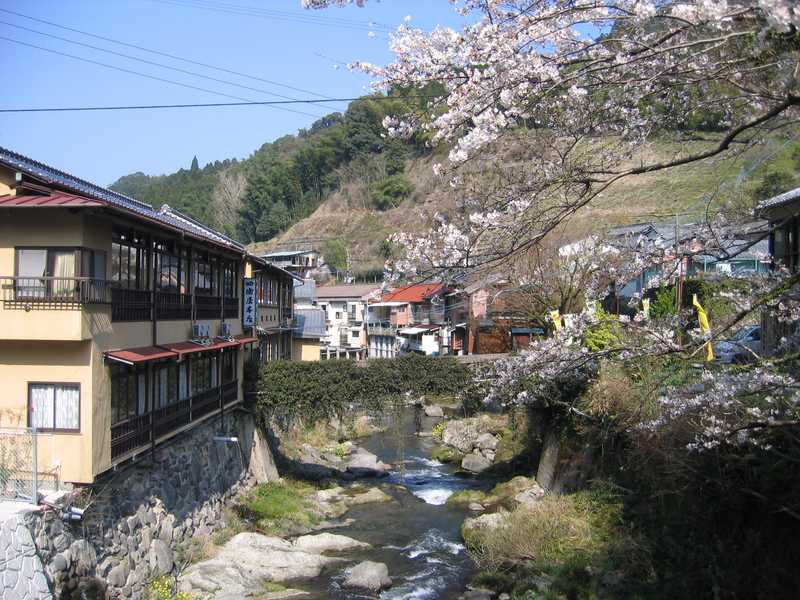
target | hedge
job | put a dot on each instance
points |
(320, 390)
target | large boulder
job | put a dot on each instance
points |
(486, 441)
(463, 434)
(475, 463)
(434, 410)
(368, 575)
(530, 496)
(365, 464)
(325, 542)
(247, 562)
(484, 522)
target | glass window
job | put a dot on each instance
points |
(128, 393)
(54, 406)
(228, 366)
(165, 385)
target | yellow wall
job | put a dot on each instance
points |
(45, 344)
(24, 362)
(305, 350)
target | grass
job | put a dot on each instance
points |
(446, 454)
(465, 497)
(274, 506)
(570, 541)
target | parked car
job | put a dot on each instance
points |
(740, 347)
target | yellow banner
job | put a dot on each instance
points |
(702, 318)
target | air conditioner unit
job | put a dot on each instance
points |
(200, 331)
(224, 330)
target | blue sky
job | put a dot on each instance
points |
(273, 39)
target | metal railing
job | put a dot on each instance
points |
(55, 290)
(381, 329)
(18, 474)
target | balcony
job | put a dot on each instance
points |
(208, 307)
(230, 307)
(383, 328)
(138, 433)
(173, 306)
(131, 305)
(53, 292)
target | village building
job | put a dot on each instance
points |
(410, 319)
(308, 330)
(783, 213)
(345, 315)
(121, 325)
(303, 263)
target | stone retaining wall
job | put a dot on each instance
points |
(141, 521)
(21, 571)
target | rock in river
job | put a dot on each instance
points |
(475, 463)
(324, 542)
(248, 561)
(434, 410)
(368, 575)
(366, 464)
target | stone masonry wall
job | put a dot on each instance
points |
(21, 571)
(141, 520)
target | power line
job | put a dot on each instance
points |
(272, 15)
(198, 105)
(164, 54)
(150, 62)
(154, 77)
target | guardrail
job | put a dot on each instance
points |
(55, 290)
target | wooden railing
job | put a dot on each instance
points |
(137, 432)
(54, 290)
(208, 307)
(173, 305)
(230, 307)
(131, 305)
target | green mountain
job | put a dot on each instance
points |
(284, 181)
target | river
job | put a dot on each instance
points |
(418, 536)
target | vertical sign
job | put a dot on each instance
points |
(249, 315)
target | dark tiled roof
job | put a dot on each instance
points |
(165, 215)
(779, 200)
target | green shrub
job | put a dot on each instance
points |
(389, 192)
(327, 389)
(437, 430)
(273, 505)
(603, 334)
(663, 303)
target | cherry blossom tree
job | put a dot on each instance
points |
(582, 86)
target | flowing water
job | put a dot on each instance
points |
(418, 535)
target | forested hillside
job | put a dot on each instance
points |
(286, 180)
(345, 187)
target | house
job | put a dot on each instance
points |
(273, 322)
(309, 328)
(120, 324)
(302, 263)
(345, 312)
(783, 214)
(409, 319)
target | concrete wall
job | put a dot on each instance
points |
(305, 350)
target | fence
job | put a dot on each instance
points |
(18, 477)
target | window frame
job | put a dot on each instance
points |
(54, 384)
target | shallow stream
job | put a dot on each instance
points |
(418, 535)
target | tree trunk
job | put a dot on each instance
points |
(548, 461)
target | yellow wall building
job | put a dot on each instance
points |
(120, 325)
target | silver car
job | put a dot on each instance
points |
(741, 347)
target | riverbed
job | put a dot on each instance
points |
(418, 535)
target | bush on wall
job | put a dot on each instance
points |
(326, 389)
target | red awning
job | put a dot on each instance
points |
(183, 348)
(245, 339)
(132, 356)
